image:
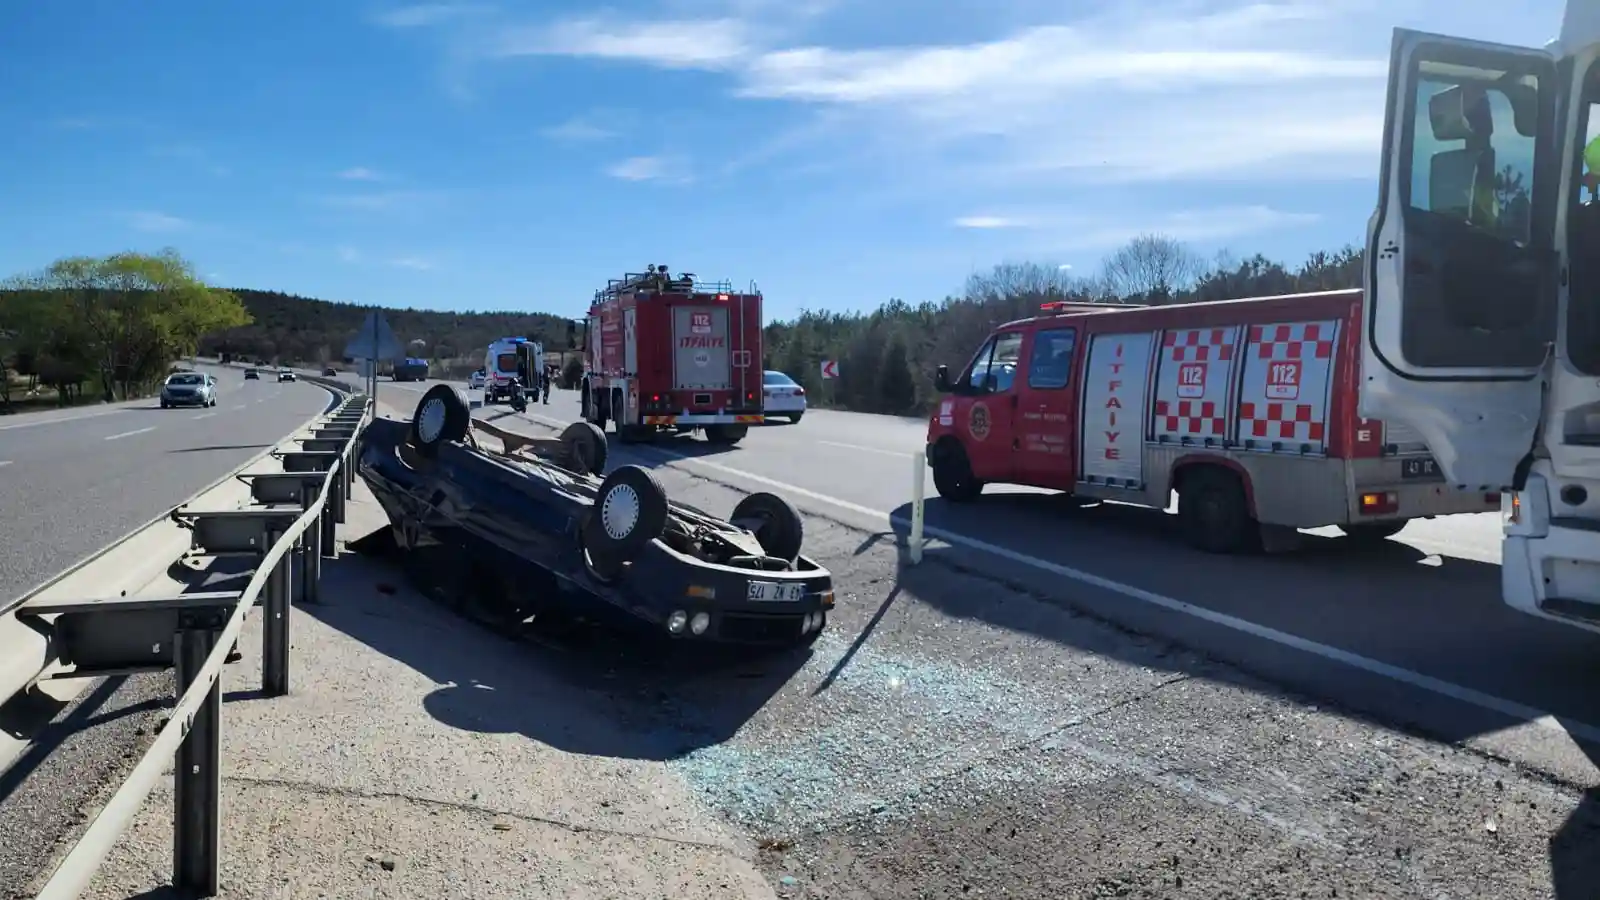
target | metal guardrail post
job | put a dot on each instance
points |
(275, 629)
(337, 500)
(197, 782)
(311, 555)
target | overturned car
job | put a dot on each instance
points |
(535, 526)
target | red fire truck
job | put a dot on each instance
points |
(1245, 408)
(671, 353)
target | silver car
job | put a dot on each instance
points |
(189, 389)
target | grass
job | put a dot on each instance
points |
(43, 398)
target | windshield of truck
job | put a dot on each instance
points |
(995, 366)
(189, 379)
(506, 363)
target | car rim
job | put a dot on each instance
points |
(431, 423)
(619, 512)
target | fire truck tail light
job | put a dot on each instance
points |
(750, 395)
(723, 297)
(655, 398)
(1379, 503)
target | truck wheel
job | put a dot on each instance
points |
(1213, 512)
(726, 435)
(630, 511)
(443, 416)
(952, 475)
(586, 445)
(1373, 532)
(775, 523)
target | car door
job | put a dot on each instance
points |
(1461, 270)
(1046, 440)
(985, 406)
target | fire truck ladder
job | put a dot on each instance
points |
(658, 280)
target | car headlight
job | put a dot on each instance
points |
(677, 621)
(699, 623)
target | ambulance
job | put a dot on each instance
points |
(1246, 409)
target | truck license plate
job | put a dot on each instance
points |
(1420, 468)
(774, 592)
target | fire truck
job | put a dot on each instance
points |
(668, 353)
(1245, 408)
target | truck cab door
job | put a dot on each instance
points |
(984, 416)
(1461, 276)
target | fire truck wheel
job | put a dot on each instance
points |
(443, 416)
(630, 511)
(1373, 532)
(726, 434)
(586, 445)
(775, 522)
(952, 475)
(1213, 512)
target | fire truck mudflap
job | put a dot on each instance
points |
(1246, 409)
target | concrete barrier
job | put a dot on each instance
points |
(143, 604)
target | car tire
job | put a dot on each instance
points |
(778, 526)
(587, 447)
(795, 418)
(1373, 533)
(443, 416)
(952, 475)
(165, 405)
(1214, 513)
(630, 510)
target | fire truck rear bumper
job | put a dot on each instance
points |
(705, 419)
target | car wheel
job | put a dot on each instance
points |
(630, 511)
(1214, 514)
(587, 446)
(165, 405)
(443, 416)
(795, 419)
(952, 475)
(775, 523)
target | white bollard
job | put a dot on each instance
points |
(919, 465)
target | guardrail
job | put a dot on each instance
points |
(141, 606)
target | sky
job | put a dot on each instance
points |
(505, 155)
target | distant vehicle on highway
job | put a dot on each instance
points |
(252, 375)
(782, 397)
(189, 389)
(285, 375)
(329, 371)
(476, 379)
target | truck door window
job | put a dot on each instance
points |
(1470, 160)
(1583, 235)
(995, 367)
(1050, 365)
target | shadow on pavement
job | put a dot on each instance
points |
(592, 688)
(1441, 617)
(221, 447)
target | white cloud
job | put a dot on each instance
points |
(648, 168)
(423, 15)
(673, 44)
(156, 222)
(348, 254)
(359, 173)
(988, 222)
(578, 130)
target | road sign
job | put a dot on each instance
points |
(373, 340)
(830, 368)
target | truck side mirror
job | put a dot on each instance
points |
(941, 379)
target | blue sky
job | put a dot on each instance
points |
(515, 155)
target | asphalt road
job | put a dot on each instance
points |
(73, 482)
(1420, 617)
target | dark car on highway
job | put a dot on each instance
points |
(252, 375)
(540, 532)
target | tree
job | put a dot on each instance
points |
(1151, 268)
(897, 391)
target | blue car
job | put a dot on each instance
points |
(534, 529)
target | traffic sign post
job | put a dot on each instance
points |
(373, 341)
(830, 368)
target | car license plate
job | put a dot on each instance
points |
(1420, 468)
(774, 592)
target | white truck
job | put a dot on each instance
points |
(500, 365)
(1482, 301)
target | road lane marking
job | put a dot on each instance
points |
(6, 462)
(205, 415)
(130, 433)
(1508, 708)
(899, 453)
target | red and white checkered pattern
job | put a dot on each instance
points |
(1199, 344)
(1299, 340)
(1201, 418)
(1280, 421)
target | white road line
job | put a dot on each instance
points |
(61, 419)
(236, 408)
(130, 433)
(1509, 708)
(205, 415)
(898, 453)
(6, 462)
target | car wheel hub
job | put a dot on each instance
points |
(431, 423)
(619, 512)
